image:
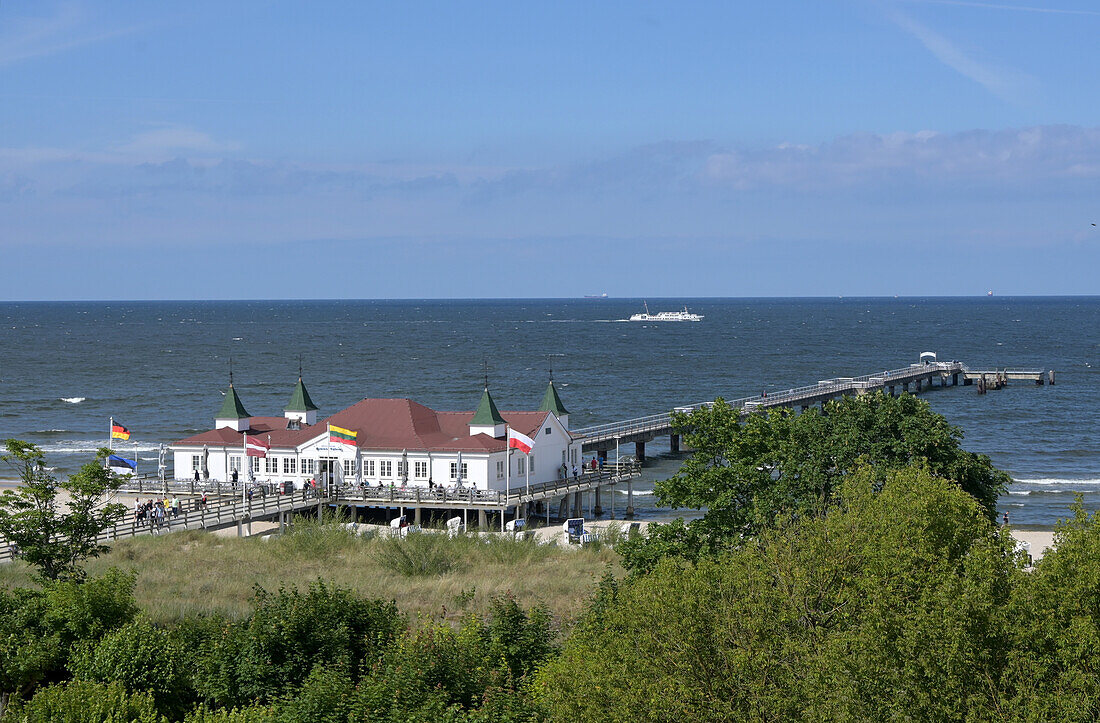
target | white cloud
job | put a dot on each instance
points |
(67, 28)
(1005, 84)
(172, 140)
(1015, 8)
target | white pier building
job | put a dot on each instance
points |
(398, 442)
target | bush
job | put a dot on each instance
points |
(86, 702)
(289, 633)
(143, 658)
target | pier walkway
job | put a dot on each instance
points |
(913, 378)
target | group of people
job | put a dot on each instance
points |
(594, 464)
(155, 511)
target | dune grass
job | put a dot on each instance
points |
(427, 575)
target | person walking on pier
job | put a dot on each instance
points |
(574, 472)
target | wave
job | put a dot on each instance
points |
(73, 400)
(1019, 492)
(1058, 481)
(90, 446)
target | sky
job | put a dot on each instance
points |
(213, 150)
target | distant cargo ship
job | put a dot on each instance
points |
(595, 296)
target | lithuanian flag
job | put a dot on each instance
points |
(341, 435)
(118, 431)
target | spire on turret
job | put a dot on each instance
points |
(551, 402)
(300, 409)
(232, 414)
(487, 413)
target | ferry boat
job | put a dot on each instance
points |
(683, 315)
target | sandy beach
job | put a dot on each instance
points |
(1038, 541)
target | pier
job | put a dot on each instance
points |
(561, 498)
(912, 379)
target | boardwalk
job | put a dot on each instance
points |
(226, 510)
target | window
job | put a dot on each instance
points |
(520, 466)
(196, 462)
(574, 452)
(563, 456)
(500, 470)
(255, 464)
(385, 468)
(368, 467)
(531, 462)
(454, 470)
(421, 470)
(349, 468)
(290, 465)
(271, 465)
(309, 466)
(548, 430)
(234, 464)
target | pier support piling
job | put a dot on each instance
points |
(629, 514)
(578, 504)
(674, 443)
(639, 452)
(482, 520)
(597, 508)
(563, 508)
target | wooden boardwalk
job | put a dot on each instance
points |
(226, 510)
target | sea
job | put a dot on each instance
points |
(161, 368)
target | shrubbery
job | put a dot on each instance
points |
(322, 654)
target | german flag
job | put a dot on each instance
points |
(118, 431)
(341, 435)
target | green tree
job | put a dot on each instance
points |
(1054, 667)
(893, 605)
(747, 473)
(54, 525)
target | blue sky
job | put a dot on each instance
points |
(365, 150)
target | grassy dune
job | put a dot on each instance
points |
(430, 575)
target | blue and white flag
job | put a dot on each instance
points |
(121, 465)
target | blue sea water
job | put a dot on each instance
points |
(160, 367)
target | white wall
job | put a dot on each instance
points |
(480, 468)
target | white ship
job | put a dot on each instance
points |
(683, 315)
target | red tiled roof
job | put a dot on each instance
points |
(383, 424)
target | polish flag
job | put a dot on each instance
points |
(256, 447)
(517, 440)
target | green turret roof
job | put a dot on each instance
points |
(551, 402)
(487, 413)
(299, 399)
(232, 407)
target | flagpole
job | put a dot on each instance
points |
(507, 473)
(111, 434)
